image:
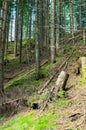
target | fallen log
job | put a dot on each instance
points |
(61, 82)
(52, 77)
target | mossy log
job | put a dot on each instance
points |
(61, 82)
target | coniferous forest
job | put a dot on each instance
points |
(42, 64)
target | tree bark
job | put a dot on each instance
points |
(16, 31)
(37, 59)
(53, 33)
(21, 29)
(2, 43)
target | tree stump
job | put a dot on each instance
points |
(83, 62)
(83, 67)
(61, 82)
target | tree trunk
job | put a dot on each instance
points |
(30, 21)
(72, 21)
(53, 33)
(21, 29)
(16, 31)
(80, 15)
(2, 43)
(36, 41)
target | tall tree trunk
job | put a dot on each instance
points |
(30, 21)
(52, 33)
(2, 43)
(71, 21)
(21, 29)
(80, 14)
(36, 41)
(16, 30)
(47, 28)
(7, 31)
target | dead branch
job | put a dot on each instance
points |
(52, 77)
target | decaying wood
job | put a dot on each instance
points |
(83, 67)
(83, 62)
(61, 82)
(51, 78)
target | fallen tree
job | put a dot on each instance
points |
(57, 71)
(60, 84)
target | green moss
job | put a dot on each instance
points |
(30, 122)
(28, 41)
(2, 118)
(44, 73)
(33, 84)
(61, 93)
(17, 82)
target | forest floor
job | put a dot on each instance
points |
(68, 112)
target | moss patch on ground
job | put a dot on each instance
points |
(28, 121)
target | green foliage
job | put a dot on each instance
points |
(33, 84)
(2, 118)
(28, 41)
(61, 93)
(77, 129)
(17, 82)
(67, 50)
(44, 73)
(30, 122)
(60, 103)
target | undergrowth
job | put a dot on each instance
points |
(17, 82)
(30, 122)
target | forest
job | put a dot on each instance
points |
(42, 64)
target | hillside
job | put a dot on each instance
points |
(67, 112)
